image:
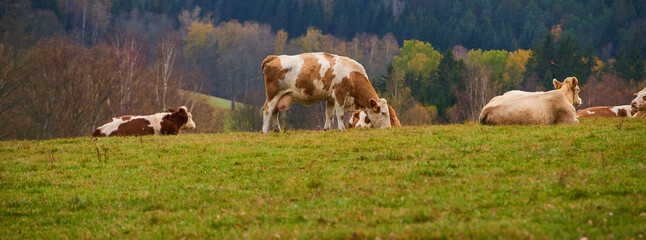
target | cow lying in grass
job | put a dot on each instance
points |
(519, 107)
(167, 123)
(360, 119)
(639, 103)
(612, 111)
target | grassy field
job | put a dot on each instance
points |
(451, 181)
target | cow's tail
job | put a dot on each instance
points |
(267, 60)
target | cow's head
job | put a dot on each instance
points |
(182, 118)
(359, 119)
(378, 113)
(639, 103)
(569, 87)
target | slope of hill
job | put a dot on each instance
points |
(214, 101)
(449, 181)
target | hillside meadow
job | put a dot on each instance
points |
(443, 181)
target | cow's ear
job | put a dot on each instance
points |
(374, 105)
(182, 110)
(575, 81)
(170, 109)
(557, 84)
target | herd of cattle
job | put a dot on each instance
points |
(343, 83)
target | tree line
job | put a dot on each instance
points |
(69, 66)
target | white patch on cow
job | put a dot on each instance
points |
(295, 62)
(325, 65)
(590, 112)
(112, 126)
(362, 121)
(155, 121)
(626, 108)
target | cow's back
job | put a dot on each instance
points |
(310, 77)
(527, 108)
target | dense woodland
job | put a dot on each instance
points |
(67, 66)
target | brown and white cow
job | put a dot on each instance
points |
(360, 119)
(639, 103)
(518, 107)
(606, 111)
(313, 77)
(167, 123)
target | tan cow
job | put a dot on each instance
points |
(518, 107)
(313, 77)
(606, 111)
(167, 123)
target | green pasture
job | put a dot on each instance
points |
(442, 181)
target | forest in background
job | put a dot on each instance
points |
(67, 66)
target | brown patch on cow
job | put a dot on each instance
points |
(362, 90)
(329, 76)
(622, 113)
(98, 133)
(171, 123)
(273, 72)
(125, 118)
(394, 121)
(341, 90)
(135, 127)
(310, 71)
(329, 57)
(168, 127)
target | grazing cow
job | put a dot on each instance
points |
(168, 123)
(616, 111)
(518, 107)
(360, 120)
(313, 77)
(639, 103)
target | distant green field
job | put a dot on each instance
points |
(214, 101)
(449, 181)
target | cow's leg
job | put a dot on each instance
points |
(267, 114)
(277, 121)
(329, 114)
(339, 116)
